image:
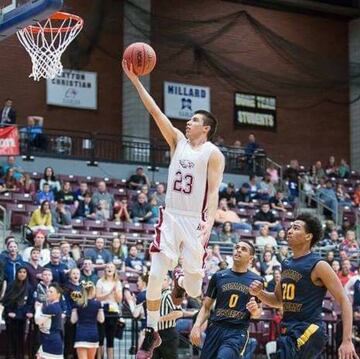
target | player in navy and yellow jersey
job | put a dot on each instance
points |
(304, 281)
(227, 331)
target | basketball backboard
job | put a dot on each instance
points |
(17, 14)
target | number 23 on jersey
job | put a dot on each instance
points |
(183, 183)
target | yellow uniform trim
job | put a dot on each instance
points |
(310, 330)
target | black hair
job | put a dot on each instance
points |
(52, 178)
(312, 226)
(43, 204)
(252, 248)
(209, 120)
(18, 290)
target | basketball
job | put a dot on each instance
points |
(142, 57)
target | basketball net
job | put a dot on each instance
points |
(46, 42)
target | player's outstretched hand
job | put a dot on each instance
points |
(256, 287)
(347, 351)
(195, 336)
(128, 69)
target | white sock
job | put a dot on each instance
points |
(153, 317)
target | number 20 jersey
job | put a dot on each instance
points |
(187, 179)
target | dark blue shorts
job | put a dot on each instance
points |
(302, 341)
(224, 343)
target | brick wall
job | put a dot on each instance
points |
(30, 97)
(306, 134)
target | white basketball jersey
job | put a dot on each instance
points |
(187, 178)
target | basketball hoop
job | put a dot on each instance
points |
(46, 43)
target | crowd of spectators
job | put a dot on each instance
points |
(256, 209)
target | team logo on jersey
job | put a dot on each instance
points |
(187, 164)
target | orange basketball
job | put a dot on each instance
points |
(142, 57)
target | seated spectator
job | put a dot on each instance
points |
(343, 169)
(266, 217)
(267, 189)
(41, 218)
(85, 208)
(141, 250)
(99, 255)
(283, 253)
(229, 194)
(138, 179)
(336, 266)
(330, 257)
(45, 195)
(160, 194)
(121, 211)
(356, 196)
(27, 185)
(141, 210)
(227, 234)
(225, 214)
(41, 244)
(33, 267)
(216, 252)
(318, 172)
(17, 172)
(268, 264)
(345, 273)
(66, 194)
(331, 168)
(34, 132)
(274, 281)
(264, 238)
(133, 263)
(328, 196)
(116, 251)
(350, 245)
(243, 197)
(254, 187)
(277, 202)
(80, 192)
(10, 182)
(49, 177)
(281, 237)
(66, 256)
(103, 194)
(58, 269)
(273, 173)
(154, 210)
(344, 198)
(88, 273)
(12, 262)
(61, 216)
(102, 212)
(42, 287)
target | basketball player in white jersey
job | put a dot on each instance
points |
(184, 226)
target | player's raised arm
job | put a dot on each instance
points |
(327, 276)
(171, 134)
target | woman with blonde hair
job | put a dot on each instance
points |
(86, 314)
(109, 292)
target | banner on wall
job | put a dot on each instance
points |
(77, 89)
(9, 141)
(182, 100)
(255, 111)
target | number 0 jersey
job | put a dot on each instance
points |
(231, 291)
(187, 178)
(302, 299)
